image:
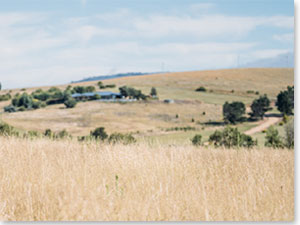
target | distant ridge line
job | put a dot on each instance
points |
(118, 75)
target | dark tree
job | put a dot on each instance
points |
(233, 112)
(70, 103)
(153, 92)
(259, 107)
(285, 101)
(99, 133)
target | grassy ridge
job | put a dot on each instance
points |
(63, 180)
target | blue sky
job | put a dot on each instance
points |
(57, 41)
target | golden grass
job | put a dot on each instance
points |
(65, 180)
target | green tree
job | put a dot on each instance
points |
(259, 107)
(153, 92)
(70, 103)
(196, 140)
(99, 133)
(233, 112)
(285, 101)
(273, 139)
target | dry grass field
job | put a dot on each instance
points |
(66, 180)
(153, 118)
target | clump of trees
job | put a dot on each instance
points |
(259, 107)
(285, 101)
(234, 112)
(231, 137)
(102, 86)
(132, 93)
(83, 89)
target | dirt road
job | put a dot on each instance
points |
(268, 121)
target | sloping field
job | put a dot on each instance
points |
(65, 180)
(152, 118)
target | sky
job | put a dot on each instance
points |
(58, 41)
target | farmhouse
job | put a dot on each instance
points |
(96, 95)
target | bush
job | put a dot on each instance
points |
(63, 134)
(121, 138)
(231, 137)
(99, 133)
(201, 89)
(110, 86)
(10, 109)
(233, 112)
(70, 103)
(196, 140)
(5, 97)
(7, 130)
(273, 139)
(289, 134)
(48, 133)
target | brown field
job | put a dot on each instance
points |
(65, 180)
(151, 119)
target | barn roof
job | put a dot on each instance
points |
(90, 94)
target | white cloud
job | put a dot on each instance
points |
(83, 2)
(202, 6)
(40, 52)
(284, 37)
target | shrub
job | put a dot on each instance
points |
(63, 134)
(231, 137)
(193, 120)
(201, 89)
(99, 133)
(70, 103)
(48, 133)
(233, 112)
(110, 86)
(196, 140)
(273, 139)
(289, 134)
(7, 130)
(250, 92)
(10, 109)
(5, 97)
(121, 138)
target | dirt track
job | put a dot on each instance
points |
(269, 121)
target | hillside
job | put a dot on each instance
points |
(152, 119)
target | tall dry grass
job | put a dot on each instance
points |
(64, 180)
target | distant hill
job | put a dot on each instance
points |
(280, 61)
(119, 75)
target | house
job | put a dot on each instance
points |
(96, 95)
